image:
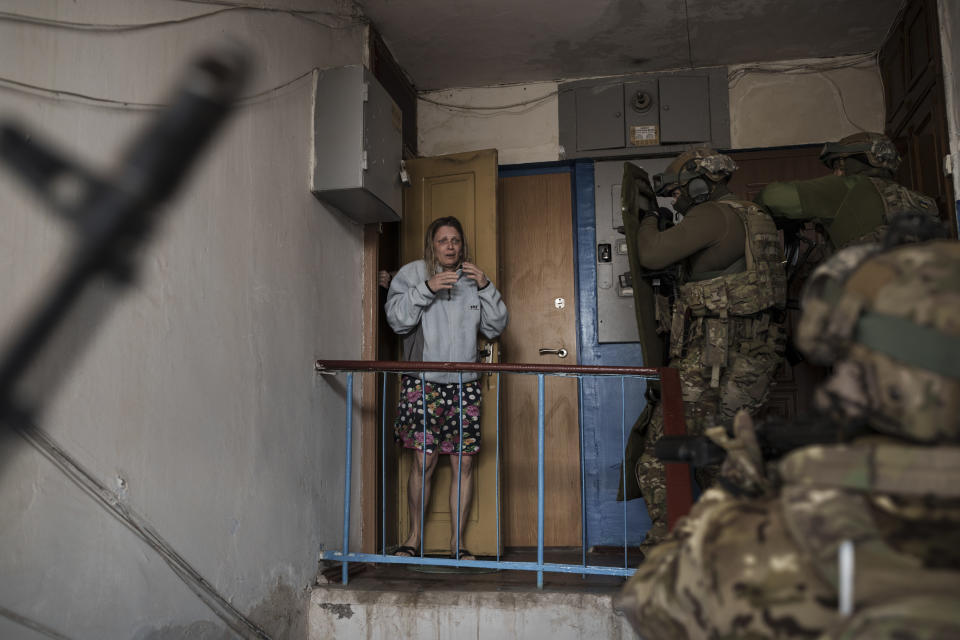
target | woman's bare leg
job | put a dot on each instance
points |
(420, 479)
(466, 494)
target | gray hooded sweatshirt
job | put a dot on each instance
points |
(442, 326)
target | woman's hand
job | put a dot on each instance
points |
(443, 281)
(473, 271)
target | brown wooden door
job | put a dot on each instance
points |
(912, 70)
(795, 381)
(462, 185)
(536, 239)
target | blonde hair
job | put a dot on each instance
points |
(428, 256)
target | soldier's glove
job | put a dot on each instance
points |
(664, 217)
(743, 471)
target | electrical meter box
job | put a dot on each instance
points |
(357, 145)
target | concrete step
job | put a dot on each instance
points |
(480, 613)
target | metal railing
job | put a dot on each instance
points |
(679, 488)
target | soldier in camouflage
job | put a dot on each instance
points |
(726, 339)
(859, 200)
(760, 558)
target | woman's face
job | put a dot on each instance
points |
(447, 246)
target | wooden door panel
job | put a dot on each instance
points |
(462, 185)
(912, 72)
(792, 393)
(536, 241)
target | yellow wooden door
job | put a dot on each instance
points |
(462, 185)
(536, 240)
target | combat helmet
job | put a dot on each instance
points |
(889, 322)
(872, 149)
(697, 174)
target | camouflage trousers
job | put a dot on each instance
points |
(753, 358)
(768, 568)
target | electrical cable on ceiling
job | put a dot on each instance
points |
(114, 28)
(686, 19)
(843, 103)
(501, 107)
(819, 69)
(60, 95)
(773, 68)
(247, 5)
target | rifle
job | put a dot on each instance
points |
(777, 437)
(113, 216)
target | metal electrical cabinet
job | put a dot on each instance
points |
(357, 145)
(616, 319)
(647, 114)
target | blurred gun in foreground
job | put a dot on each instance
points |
(776, 437)
(114, 216)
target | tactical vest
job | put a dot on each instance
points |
(882, 466)
(759, 284)
(895, 198)
(903, 585)
(898, 198)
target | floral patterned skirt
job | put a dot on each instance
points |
(443, 416)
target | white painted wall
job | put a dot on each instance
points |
(198, 390)
(804, 101)
(519, 121)
(769, 106)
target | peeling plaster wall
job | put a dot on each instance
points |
(196, 401)
(528, 132)
(773, 107)
(767, 109)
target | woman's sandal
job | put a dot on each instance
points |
(405, 552)
(463, 552)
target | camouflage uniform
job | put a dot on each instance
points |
(854, 207)
(762, 561)
(724, 339)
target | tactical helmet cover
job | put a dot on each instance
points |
(877, 149)
(890, 322)
(690, 172)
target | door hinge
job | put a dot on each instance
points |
(948, 164)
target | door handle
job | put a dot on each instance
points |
(560, 353)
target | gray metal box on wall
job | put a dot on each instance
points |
(616, 319)
(644, 114)
(357, 145)
(600, 116)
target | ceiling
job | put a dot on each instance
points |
(445, 44)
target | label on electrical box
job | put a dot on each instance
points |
(644, 135)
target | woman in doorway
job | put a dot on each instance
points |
(438, 305)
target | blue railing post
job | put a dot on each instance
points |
(456, 551)
(497, 497)
(623, 464)
(583, 478)
(423, 467)
(346, 483)
(540, 483)
(383, 467)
